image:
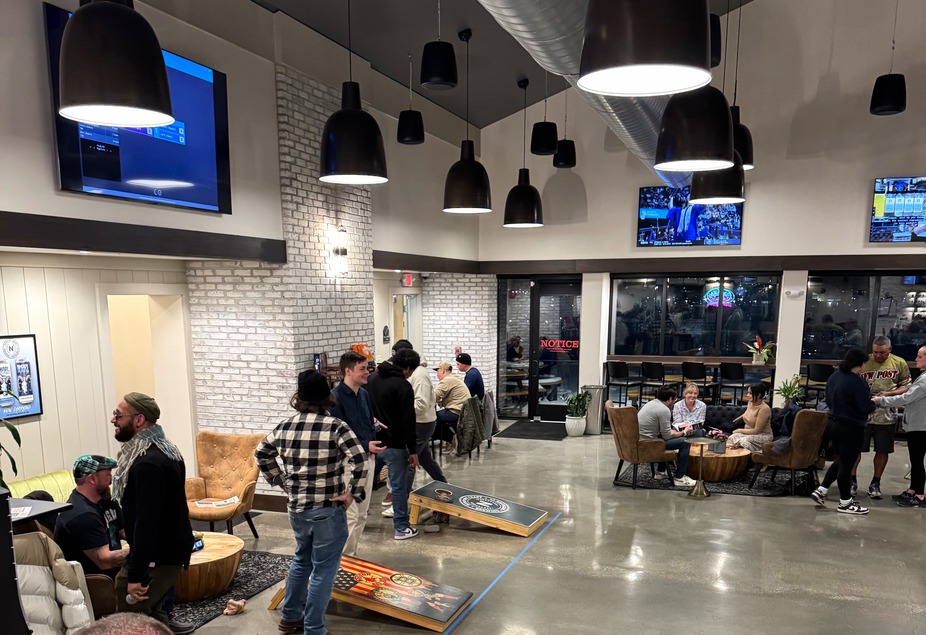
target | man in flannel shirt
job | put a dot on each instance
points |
(313, 448)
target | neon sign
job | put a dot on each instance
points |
(713, 295)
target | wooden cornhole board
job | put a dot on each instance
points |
(401, 595)
(476, 507)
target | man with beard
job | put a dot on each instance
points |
(90, 531)
(149, 482)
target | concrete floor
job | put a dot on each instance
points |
(618, 560)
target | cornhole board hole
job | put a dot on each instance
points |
(475, 507)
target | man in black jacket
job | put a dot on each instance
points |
(393, 402)
(149, 482)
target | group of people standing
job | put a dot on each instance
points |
(385, 418)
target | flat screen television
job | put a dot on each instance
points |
(666, 219)
(898, 214)
(182, 165)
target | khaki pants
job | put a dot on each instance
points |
(162, 580)
(357, 512)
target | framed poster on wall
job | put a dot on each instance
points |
(19, 377)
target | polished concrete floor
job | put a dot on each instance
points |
(617, 560)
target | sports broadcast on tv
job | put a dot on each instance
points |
(897, 211)
(668, 220)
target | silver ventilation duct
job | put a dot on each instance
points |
(552, 31)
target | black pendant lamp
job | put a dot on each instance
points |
(889, 96)
(438, 62)
(742, 137)
(352, 146)
(466, 189)
(719, 187)
(112, 68)
(411, 126)
(565, 156)
(696, 132)
(717, 41)
(544, 134)
(634, 48)
(523, 207)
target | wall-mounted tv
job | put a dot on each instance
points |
(898, 214)
(181, 165)
(19, 377)
(666, 219)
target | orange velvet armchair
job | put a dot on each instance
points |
(226, 468)
(630, 447)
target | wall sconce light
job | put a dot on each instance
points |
(339, 253)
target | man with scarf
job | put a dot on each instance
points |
(149, 483)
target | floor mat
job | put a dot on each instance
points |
(538, 430)
(739, 486)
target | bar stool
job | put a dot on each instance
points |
(654, 376)
(732, 376)
(818, 374)
(696, 373)
(619, 376)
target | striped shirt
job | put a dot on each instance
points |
(313, 449)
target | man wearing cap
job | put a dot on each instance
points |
(90, 531)
(313, 448)
(450, 394)
(472, 377)
(149, 483)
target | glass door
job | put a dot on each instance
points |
(514, 311)
(554, 364)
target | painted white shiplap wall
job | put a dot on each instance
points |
(55, 298)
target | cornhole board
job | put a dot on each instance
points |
(476, 507)
(401, 595)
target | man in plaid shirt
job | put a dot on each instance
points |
(313, 448)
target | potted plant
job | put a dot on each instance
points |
(760, 351)
(790, 389)
(720, 437)
(576, 409)
(15, 434)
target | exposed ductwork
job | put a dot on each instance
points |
(552, 31)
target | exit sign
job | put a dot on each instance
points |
(408, 279)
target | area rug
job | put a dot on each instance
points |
(739, 486)
(258, 570)
(538, 430)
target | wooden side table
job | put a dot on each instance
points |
(211, 568)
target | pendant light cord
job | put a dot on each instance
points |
(467, 89)
(894, 35)
(725, 38)
(409, 81)
(524, 144)
(566, 114)
(736, 69)
(350, 64)
(546, 79)
(438, 20)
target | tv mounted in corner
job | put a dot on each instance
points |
(185, 164)
(666, 219)
(898, 213)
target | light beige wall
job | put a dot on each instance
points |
(130, 337)
(55, 298)
(806, 73)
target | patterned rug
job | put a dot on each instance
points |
(739, 486)
(258, 570)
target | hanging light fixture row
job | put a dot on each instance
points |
(889, 96)
(742, 137)
(523, 207)
(410, 130)
(544, 134)
(565, 156)
(352, 150)
(438, 62)
(466, 189)
(112, 68)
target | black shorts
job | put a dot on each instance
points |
(883, 435)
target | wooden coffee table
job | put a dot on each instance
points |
(718, 467)
(211, 568)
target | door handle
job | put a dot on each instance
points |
(535, 368)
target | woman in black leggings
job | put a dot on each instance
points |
(914, 402)
(850, 403)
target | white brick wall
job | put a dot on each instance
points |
(462, 310)
(255, 325)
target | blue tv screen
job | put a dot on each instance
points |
(182, 165)
(898, 213)
(666, 219)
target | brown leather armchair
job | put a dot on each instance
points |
(806, 437)
(226, 468)
(630, 447)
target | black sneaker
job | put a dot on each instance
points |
(853, 490)
(818, 498)
(874, 491)
(852, 507)
(903, 496)
(913, 501)
(181, 628)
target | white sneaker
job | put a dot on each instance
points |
(685, 481)
(661, 476)
(389, 512)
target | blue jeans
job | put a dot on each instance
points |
(320, 537)
(678, 443)
(396, 460)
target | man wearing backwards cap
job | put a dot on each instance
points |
(313, 448)
(149, 482)
(90, 531)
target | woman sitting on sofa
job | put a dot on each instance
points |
(690, 410)
(757, 419)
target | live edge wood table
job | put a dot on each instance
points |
(718, 467)
(211, 568)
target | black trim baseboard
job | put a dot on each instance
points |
(53, 232)
(269, 503)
